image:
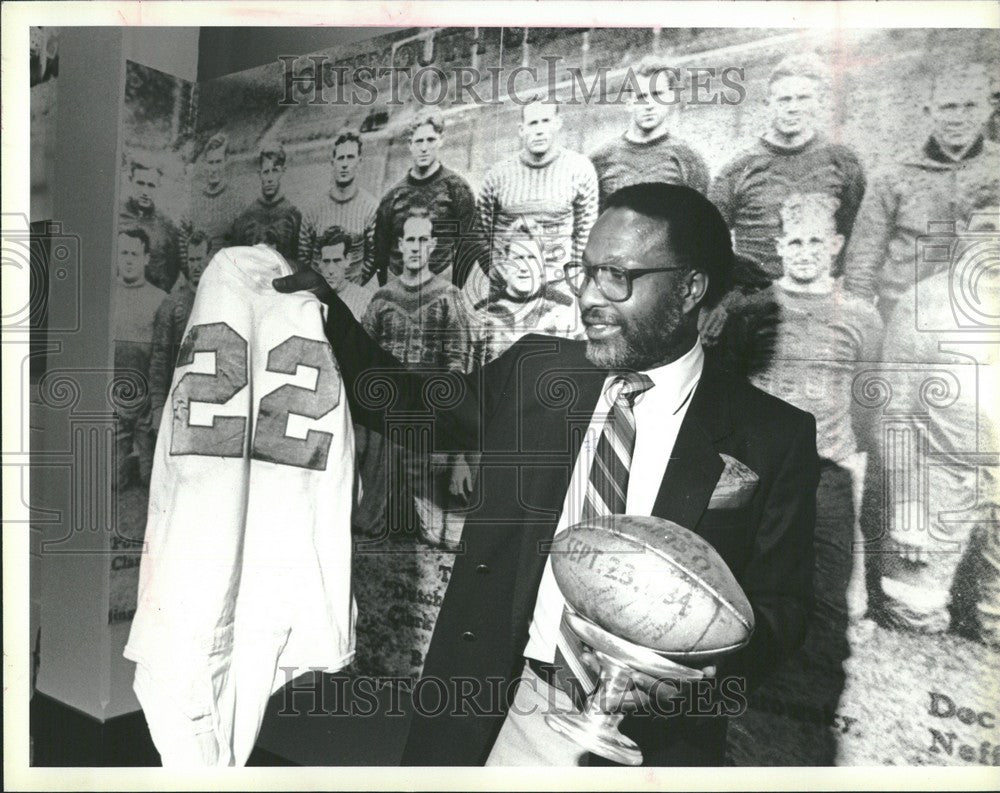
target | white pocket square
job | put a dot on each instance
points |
(735, 487)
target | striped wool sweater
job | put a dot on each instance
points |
(560, 193)
(356, 216)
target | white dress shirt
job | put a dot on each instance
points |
(658, 414)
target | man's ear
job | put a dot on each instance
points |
(837, 244)
(697, 289)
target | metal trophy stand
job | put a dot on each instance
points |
(596, 728)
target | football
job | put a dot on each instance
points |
(653, 583)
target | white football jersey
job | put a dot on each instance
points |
(245, 582)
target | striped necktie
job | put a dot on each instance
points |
(607, 487)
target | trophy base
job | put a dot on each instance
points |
(596, 727)
(596, 737)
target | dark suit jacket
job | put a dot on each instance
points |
(525, 411)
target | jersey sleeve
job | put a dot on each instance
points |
(307, 239)
(382, 238)
(584, 207)
(694, 169)
(293, 237)
(852, 192)
(456, 341)
(486, 205)
(470, 250)
(722, 192)
(869, 244)
(159, 361)
(368, 257)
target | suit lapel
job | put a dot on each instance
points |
(695, 466)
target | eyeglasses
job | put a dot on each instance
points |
(614, 282)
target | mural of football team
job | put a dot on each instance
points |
(861, 188)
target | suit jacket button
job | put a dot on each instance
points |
(469, 636)
(483, 568)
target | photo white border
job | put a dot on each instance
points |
(18, 17)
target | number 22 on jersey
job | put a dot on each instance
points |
(226, 436)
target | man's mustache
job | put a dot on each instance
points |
(594, 316)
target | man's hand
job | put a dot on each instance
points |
(305, 281)
(645, 686)
(460, 485)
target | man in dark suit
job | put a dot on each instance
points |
(656, 255)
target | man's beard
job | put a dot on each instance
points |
(639, 345)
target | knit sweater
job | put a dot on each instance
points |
(890, 247)
(419, 325)
(806, 349)
(560, 193)
(750, 190)
(164, 242)
(169, 324)
(133, 309)
(448, 198)
(212, 213)
(621, 162)
(356, 216)
(274, 222)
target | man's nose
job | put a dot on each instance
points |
(591, 296)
